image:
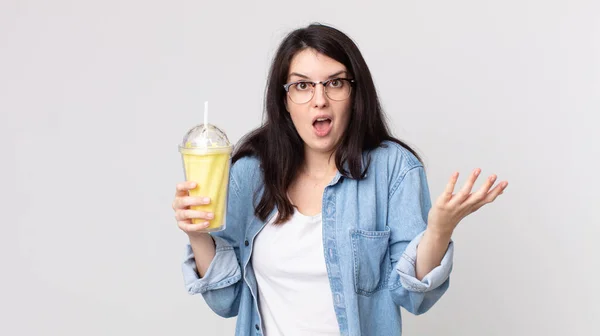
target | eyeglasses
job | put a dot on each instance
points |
(303, 91)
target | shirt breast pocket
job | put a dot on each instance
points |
(372, 264)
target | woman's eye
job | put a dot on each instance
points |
(302, 86)
(336, 83)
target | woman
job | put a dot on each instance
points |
(330, 227)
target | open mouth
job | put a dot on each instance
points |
(322, 126)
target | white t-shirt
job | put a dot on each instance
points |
(294, 296)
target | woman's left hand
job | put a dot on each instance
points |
(449, 208)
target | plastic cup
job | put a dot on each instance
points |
(206, 155)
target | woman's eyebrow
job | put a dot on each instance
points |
(338, 73)
(306, 77)
(299, 75)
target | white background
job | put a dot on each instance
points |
(96, 95)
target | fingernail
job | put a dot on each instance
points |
(492, 178)
(206, 200)
(205, 224)
(477, 171)
(210, 215)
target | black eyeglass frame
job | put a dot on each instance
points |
(314, 85)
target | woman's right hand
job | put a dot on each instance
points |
(184, 215)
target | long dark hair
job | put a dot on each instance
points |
(278, 145)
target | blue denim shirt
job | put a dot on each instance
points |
(371, 229)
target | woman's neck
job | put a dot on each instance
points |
(318, 165)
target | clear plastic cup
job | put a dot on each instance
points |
(206, 155)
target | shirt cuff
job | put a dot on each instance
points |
(223, 271)
(406, 268)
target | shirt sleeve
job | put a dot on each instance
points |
(406, 268)
(409, 205)
(223, 271)
(221, 285)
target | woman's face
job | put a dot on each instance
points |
(322, 121)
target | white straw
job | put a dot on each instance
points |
(206, 114)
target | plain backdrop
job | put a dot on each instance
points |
(95, 96)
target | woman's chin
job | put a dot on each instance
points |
(323, 146)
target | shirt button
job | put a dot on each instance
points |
(246, 242)
(256, 326)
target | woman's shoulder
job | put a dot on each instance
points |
(245, 172)
(394, 155)
(248, 162)
(395, 161)
(245, 167)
